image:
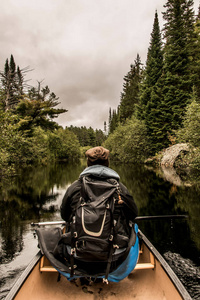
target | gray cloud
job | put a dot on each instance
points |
(81, 48)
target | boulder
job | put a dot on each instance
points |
(170, 154)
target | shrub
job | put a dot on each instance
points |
(63, 144)
(129, 142)
(190, 131)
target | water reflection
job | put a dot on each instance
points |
(36, 194)
(154, 196)
(32, 195)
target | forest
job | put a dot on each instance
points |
(158, 107)
(160, 102)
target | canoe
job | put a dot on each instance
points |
(151, 279)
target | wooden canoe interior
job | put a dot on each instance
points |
(147, 281)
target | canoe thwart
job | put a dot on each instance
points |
(144, 266)
(45, 265)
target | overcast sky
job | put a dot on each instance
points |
(82, 49)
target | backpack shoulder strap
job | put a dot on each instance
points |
(83, 189)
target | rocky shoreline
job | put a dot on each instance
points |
(173, 164)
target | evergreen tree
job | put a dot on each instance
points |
(130, 94)
(113, 121)
(12, 80)
(92, 137)
(195, 56)
(109, 120)
(38, 109)
(100, 137)
(153, 69)
(86, 136)
(173, 89)
(157, 119)
(177, 81)
(105, 127)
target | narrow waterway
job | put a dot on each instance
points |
(36, 194)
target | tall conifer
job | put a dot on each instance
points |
(172, 92)
(130, 94)
(12, 81)
(153, 69)
(177, 84)
(196, 56)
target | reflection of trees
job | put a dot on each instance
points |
(25, 198)
(11, 231)
(150, 192)
(188, 200)
(154, 196)
(135, 178)
(31, 196)
(171, 235)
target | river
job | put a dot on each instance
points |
(35, 194)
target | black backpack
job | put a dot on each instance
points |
(98, 236)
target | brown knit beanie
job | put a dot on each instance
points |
(97, 156)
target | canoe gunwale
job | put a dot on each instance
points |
(176, 281)
(18, 284)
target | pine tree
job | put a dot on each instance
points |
(195, 56)
(38, 109)
(130, 94)
(153, 69)
(92, 136)
(100, 137)
(12, 82)
(114, 121)
(109, 119)
(105, 127)
(177, 83)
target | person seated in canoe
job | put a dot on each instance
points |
(101, 238)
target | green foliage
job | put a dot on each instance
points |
(195, 56)
(190, 131)
(38, 110)
(87, 136)
(130, 94)
(100, 137)
(167, 84)
(152, 71)
(149, 108)
(83, 150)
(177, 80)
(16, 148)
(37, 146)
(129, 143)
(28, 132)
(63, 144)
(113, 120)
(10, 138)
(12, 83)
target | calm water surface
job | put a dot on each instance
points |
(36, 194)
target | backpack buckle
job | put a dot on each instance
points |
(74, 267)
(111, 238)
(73, 250)
(105, 280)
(115, 246)
(75, 234)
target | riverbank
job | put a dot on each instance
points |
(178, 164)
